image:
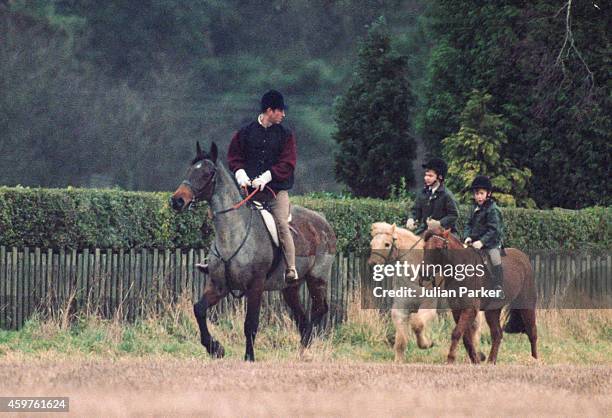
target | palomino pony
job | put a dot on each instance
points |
(244, 258)
(443, 248)
(390, 244)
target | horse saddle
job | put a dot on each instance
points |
(269, 221)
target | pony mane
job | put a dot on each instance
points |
(404, 237)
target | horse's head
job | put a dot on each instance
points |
(199, 183)
(437, 243)
(382, 246)
(437, 238)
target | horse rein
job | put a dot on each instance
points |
(215, 250)
(235, 206)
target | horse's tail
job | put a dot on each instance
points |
(514, 323)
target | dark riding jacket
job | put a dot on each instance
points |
(439, 205)
(257, 149)
(485, 225)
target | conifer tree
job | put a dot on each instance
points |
(477, 149)
(373, 121)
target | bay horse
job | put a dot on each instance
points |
(443, 248)
(389, 244)
(243, 258)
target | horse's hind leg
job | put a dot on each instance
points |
(317, 287)
(400, 317)
(496, 333)
(251, 322)
(529, 320)
(292, 297)
(209, 298)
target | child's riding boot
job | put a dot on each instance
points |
(498, 280)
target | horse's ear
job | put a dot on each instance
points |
(393, 233)
(198, 149)
(213, 152)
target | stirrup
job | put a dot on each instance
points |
(203, 267)
(499, 292)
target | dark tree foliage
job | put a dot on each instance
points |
(376, 146)
(556, 99)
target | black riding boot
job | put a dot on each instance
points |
(498, 280)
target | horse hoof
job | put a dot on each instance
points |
(482, 356)
(450, 360)
(216, 350)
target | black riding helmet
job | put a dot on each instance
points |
(481, 182)
(438, 165)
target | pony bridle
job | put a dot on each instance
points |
(394, 247)
(444, 240)
(388, 256)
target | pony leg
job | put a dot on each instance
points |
(463, 318)
(317, 287)
(209, 298)
(476, 329)
(418, 323)
(251, 322)
(468, 337)
(292, 298)
(529, 319)
(496, 333)
(399, 317)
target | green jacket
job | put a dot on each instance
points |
(439, 205)
(485, 225)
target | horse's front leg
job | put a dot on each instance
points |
(463, 319)
(251, 322)
(209, 298)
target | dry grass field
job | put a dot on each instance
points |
(164, 386)
(157, 367)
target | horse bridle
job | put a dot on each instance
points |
(444, 240)
(194, 200)
(393, 247)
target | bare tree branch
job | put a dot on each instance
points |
(569, 38)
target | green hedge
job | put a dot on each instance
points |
(88, 218)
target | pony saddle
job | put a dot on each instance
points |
(269, 221)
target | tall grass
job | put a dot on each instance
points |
(565, 337)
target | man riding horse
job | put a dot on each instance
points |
(262, 155)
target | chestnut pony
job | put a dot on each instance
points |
(443, 248)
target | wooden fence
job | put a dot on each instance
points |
(132, 283)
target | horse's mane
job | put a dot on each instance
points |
(404, 237)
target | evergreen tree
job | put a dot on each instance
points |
(372, 119)
(477, 149)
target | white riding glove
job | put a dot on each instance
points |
(477, 245)
(410, 224)
(433, 223)
(242, 178)
(467, 241)
(262, 180)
